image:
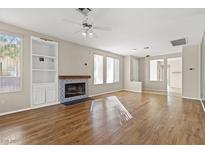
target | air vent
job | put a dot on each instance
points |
(146, 48)
(84, 11)
(178, 42)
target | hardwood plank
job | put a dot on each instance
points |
(115, 118)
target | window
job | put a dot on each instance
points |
(157, 70)
(10, 56)
(98, 69)
(112, 70)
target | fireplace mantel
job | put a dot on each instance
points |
(64, 77)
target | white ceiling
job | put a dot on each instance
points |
(131, 28)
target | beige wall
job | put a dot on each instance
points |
(128, 84)
(72, 58)
(191, 78)
(144, 72)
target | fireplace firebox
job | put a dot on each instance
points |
(74, 89)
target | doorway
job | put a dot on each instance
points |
(174, 76)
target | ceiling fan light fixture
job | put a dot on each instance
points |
(90, 33)
(84, 33)
(90, 36)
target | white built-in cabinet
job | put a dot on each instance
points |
(44, 63)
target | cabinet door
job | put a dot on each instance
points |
(39, 95)
(50, 94)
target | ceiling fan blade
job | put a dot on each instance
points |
(77, 32)
(102, 28)
(72, 22)
(95, 35)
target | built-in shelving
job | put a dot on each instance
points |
(44, 70)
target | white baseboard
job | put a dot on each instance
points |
(30, 108)
(105, 93)
(191, 98)
(202, 104)
(155, 90)
(132, 90)
(155, 93)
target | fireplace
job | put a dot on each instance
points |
(74, 89)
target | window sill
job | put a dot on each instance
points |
(155, 81)
(98, 84)
(8, 92)
(113, 83)
(106, 84)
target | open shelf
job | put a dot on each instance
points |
(40, 47)
(43, 76)
(44, 56)
(43, 63)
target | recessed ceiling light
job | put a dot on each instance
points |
(146, 48)
(133, 50)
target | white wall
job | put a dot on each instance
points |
(191, 78)
(128, 84)
(72, 59)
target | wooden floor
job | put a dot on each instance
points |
(115, 118)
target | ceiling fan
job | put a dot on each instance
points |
(87, 29)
